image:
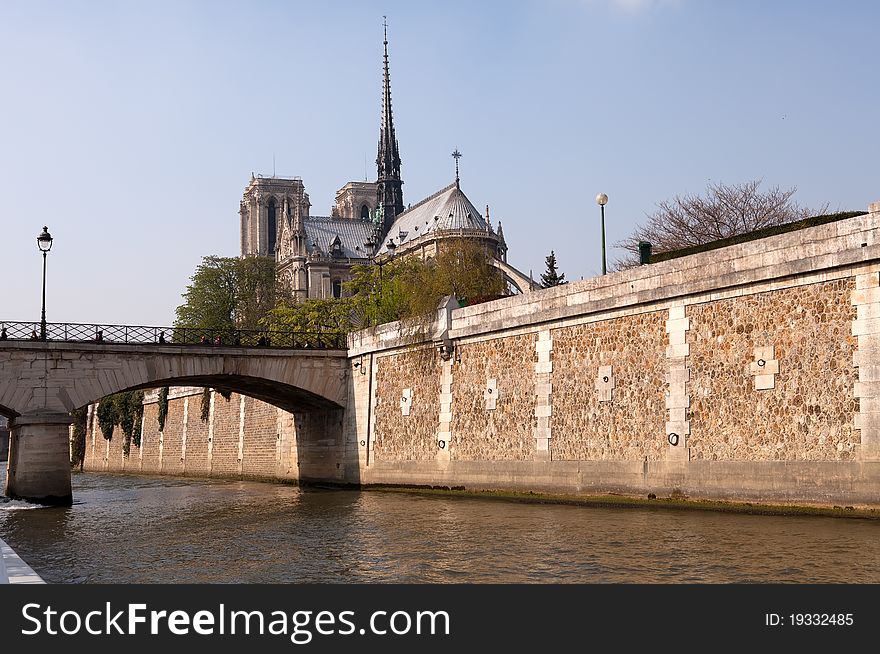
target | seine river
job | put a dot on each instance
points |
(127, 529)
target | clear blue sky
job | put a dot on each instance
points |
(132, 128)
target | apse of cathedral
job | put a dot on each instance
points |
(368, 222)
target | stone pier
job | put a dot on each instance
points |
(39, 459)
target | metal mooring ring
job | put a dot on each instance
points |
(673, 439)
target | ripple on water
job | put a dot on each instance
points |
(176, 530)
(7, 504)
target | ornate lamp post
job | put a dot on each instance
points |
(44, 242)
(602, 200)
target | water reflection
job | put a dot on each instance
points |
(145, 530)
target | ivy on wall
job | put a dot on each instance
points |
(123, 410)
(206, 404)
(163, 407)
(78, 444)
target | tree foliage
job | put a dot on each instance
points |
(407, 289)
(551, 276)
(123, 410)
(162, 413)
(461, 269)
(721, 212)
(206, 405)
(228, 293)
(78, 445)
(311, 317)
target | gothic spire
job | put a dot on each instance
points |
(390, 191)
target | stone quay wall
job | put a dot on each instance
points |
(745, 373)
(4, 440)
(242, 438)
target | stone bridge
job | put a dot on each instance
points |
(42, 382)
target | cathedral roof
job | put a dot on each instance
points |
(447, 209)
(352, 235)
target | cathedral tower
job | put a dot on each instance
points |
(262, 210)
(390, 191)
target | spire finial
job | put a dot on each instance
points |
(456, 155)
(385, 25)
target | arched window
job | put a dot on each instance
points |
(365, 212)
(337, 289)
(273, 226)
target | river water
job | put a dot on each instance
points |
(129, 529)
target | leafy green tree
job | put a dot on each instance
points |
(460, 269)
(228, 293)
(406, 288)
(256, 290)
(551, 276)
(410, 289)
(381, 292)
(311, 318)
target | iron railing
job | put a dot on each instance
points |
(143, 335)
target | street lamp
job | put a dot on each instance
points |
(602, 200)
(44, 242)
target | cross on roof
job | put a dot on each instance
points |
(456, 155)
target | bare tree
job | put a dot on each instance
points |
(723, 211)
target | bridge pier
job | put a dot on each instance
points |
(39, 459)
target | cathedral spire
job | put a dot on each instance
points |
(390, 191)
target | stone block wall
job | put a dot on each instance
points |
(225, 419)
(149, 450)
(407, 406)
(242, 438)
(172, 440)
(748, 372)
(609, 383)
(261, 446)
(196, 462)
(487, 428)
(806, 409)
(4, 440)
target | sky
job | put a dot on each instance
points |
(131, 129)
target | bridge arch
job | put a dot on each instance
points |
(279, 394)
(60, 377)
(42, 382)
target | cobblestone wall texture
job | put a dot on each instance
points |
(412, 437)
(506, 432)
(632, 425)
(809, 414)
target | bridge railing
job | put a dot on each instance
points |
(144, 335)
